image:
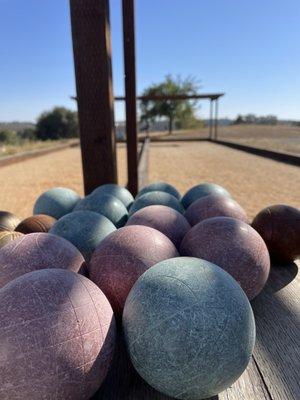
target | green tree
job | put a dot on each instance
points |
(180, 111)
(8, 137)
(60, 123)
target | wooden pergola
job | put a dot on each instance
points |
(93, 71)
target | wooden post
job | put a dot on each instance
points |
(216, 119)
(210, 119)
(92, 59)
(130, 94)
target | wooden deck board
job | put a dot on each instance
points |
(273, 372)
(277, 350)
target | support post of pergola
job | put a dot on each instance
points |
(92, 59)
(130, 94)
(211, 119)
(216, 119)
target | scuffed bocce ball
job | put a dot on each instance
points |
(165, 219)
(123, 256)
(105, 204)
(234, 246)
(8, 237)
(8, 221)
(198, 191)
(36, 223)
(37, 251)
(56, 202)
(279, 226)
(120, 192)
(85, 229)
(189, 328)
(156, 198)
(160, 186)
(58, 332)
(214, 206)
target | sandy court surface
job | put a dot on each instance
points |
(255, 182)
(23, 182)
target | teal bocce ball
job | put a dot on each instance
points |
(156, 198)
(84, 229)
(160, 186)
(56, 202)
(105, 204)
(199, 191)
(189, 328)
(120, 192)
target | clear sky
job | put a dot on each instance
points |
(248, 49)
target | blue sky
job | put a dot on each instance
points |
(248, 49)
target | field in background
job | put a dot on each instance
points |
(282, 138)
(24, 146)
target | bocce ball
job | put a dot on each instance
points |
(156, 198)
(8, 236)
(234, 246)
(160, 186)
(123, 256)
(105, 204)
(58, 332)
(85, 229)
(56, 202)
(8, 221)
(214, 205)
(279, 226)
(118, 191)
(165, 219)
(189, 328)
(36, 223)
(202, 190)
(37, 251)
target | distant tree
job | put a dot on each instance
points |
(27, 134)
(179, 111)
(60, 123)
(239, 120)
(8, 137)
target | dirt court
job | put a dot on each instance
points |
(255, 182)
(23, 182)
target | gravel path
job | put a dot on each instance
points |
(255, 182)
(23, 182)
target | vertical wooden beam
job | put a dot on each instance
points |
(92, 60)
(130, 94)
(211, 119)
(216, 119)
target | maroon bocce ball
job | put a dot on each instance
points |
(214, 206)
(234, 246)
(123, 256)
(37, 251)
(279, 226)
(57, 335)
(165, 219)
(36, 223)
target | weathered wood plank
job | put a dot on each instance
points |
(130, 91)
(277, 351)
(143, 168)
(92, 60)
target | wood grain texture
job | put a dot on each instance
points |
(92, 59)
(277, 314)
(143, 166)
(130, 91)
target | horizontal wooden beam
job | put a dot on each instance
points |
(208, 96)
(212, 96)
